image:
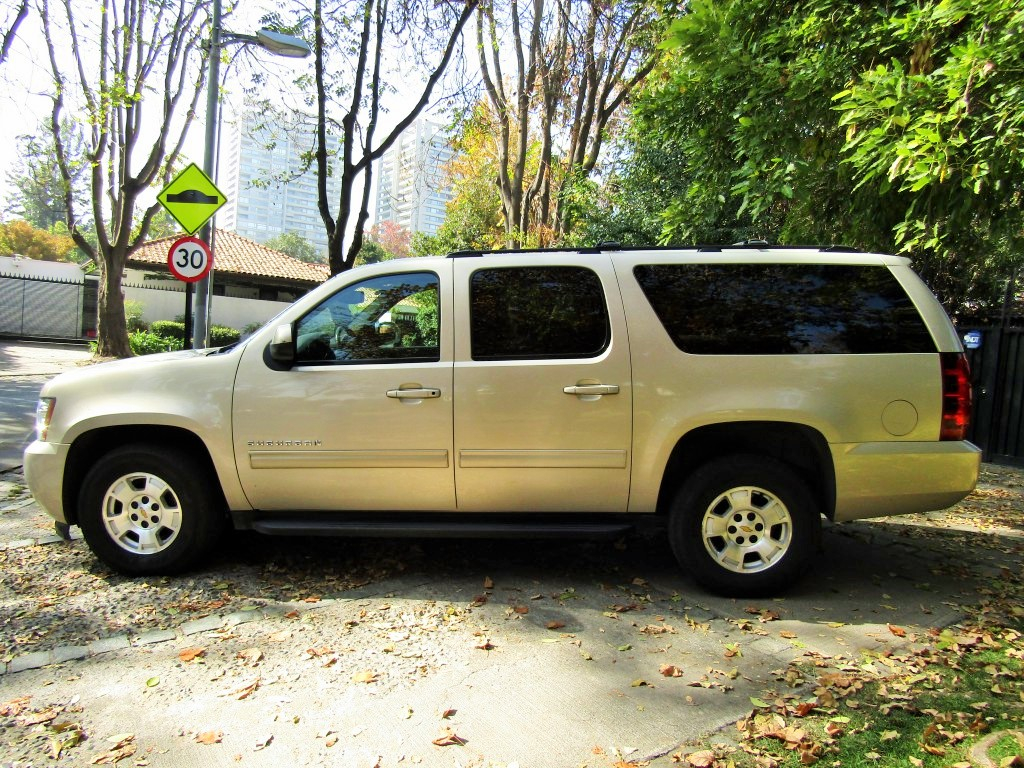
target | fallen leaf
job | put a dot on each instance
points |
(250, 656)
(522, 610)
(263, 743)
(555, 625)
(488, 582)
(898, 631)
(638, 684)
(448, 713)
(486, 645)
(448, 739)
(702, 759)
(889, 735)
(114, 755)
(366, 676)
(153, 682)
(638, 582)
(35, 718)
(280, 637)
(191, 654)
(787, 634)
(210, 737)
(669, 670)
(245, 692)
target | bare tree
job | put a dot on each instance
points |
(546, 62)
(382, 30)
(11, 28)
(114, 63)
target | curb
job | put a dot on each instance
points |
(65, 653)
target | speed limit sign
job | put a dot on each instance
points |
(189, 259)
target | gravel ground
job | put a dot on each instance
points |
(87, 601)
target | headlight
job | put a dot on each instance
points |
(44, 412)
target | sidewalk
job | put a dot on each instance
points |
(31, 358)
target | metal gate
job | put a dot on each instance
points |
(997, 372)
(32, 306)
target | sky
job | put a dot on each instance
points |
(26, 88)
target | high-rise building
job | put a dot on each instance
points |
(411, 186)
(261, 174)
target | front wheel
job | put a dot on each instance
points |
(744, 525)
(146, 510)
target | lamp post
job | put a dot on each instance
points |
(275, 43)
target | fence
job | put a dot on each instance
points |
(997, 371)
(47, 307)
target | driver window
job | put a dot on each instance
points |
(391, 318)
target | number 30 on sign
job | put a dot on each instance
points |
(189, 259)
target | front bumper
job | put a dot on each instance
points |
(896, 478)
(44, 473)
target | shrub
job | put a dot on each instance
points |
(168, 329)
(145, 343)
(221, 336)
(133, 316)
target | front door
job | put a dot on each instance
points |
(543, 401)
(363, 420)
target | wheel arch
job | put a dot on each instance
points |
(89, 447)
(802, 448)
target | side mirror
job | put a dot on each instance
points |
(282, 348)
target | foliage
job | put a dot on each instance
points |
(296, 246)
(371, 253)
(221, 335)
(168, 329)
(131, 74)
(133, 316)
(572, 64)
(942, 121)
(393, 238)
(42, 190)
(147, 343)
(20, 238)
(826, 122)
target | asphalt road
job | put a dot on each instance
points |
(17, 417)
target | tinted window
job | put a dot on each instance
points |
(387, 318)
(783, 309)
(537, 312)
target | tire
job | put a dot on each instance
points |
(146, 510)
(744, 525)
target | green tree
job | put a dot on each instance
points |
(549, 64)
(755, 127)
(941, 122)
(371, 253)
(132, 73)
(296, 246)
(42, 191)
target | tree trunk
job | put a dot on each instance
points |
(111, 327)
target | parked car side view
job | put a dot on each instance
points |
(742, 393)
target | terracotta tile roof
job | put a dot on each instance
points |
(234, 254)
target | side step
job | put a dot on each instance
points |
(461, 527)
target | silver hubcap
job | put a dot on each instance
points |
(747, 529)
(141, 513)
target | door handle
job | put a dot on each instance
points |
(414, 394)
(592, 389)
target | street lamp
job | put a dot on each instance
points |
(273, 42)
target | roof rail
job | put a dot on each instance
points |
(615, 246)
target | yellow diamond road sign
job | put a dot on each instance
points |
(192, 198)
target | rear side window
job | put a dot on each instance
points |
(523, 313)
(783, 309)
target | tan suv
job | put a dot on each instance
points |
(740, 392)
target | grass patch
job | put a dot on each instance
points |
(926, 707)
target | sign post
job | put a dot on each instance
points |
(191, 198)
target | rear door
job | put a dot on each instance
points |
(543, 396)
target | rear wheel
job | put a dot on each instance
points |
(744, 525)
(146, 510)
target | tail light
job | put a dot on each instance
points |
(956, 396)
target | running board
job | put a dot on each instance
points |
(427, 527)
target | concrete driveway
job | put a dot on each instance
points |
(469, 653)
